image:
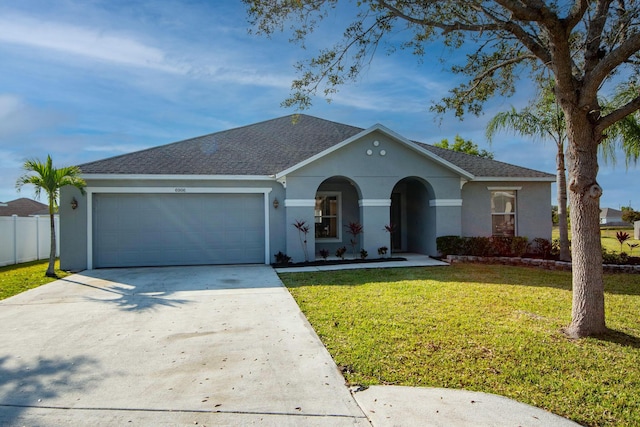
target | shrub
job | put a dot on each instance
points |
(543, 247)
(614, 258)
(324, 253)
(341, 251)
(382, 250)
(282, 259)
(363, 254)
(478, 246)
(501, 245)
(519, 245)
(450, 245)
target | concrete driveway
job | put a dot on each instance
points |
(166, 346)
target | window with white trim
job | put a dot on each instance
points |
(327, 216)
(503, 212)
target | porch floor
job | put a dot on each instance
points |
(412, 260)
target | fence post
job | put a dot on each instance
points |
(15, 238)
(37, 217)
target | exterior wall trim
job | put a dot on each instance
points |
(445, 202)
(170, 177)
(504, 188)
(90, 191)
(374, 202)
(299, 203)
(514, 178)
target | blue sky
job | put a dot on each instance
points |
(89, 79)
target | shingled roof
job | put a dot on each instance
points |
(23, 207)
(267, 148)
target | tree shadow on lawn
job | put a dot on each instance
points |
(618, 337)
(615, 283)
(26, 385)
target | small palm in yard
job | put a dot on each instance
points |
(622, 237)
(43, 176)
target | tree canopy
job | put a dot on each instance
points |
(584, 46)
(464, 146)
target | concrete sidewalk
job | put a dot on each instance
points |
(206, 346)
(411, 260)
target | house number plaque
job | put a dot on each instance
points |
(181, 190)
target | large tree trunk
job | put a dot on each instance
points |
(52, 253)
(563, 226)
(584, 195)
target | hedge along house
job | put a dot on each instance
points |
(233, 196)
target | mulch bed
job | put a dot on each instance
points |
(337, 262)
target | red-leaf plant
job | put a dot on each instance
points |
(622, 237)
(390, 228)
(355, 229)
(303, 230)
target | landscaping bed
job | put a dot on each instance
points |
(317, 263)
(632, 268)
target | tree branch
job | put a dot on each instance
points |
(576, 13)
(593, 40)
(619, 114)
(447, 28)
(610, 62)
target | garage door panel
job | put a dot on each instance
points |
(184, 229)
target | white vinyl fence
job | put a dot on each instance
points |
(24, 239)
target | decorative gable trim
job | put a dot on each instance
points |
(391, 134)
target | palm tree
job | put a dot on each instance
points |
(542, 120)
(45, 177)
(626, 132)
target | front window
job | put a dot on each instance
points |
(503, 212)
(327, 216)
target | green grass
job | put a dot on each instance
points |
(609, 240)
(487, 328)
(18, 278)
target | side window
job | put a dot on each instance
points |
(327, 216)
(503, 213)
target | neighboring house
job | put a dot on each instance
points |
(609, 216)
(23, 207)
(233, 196)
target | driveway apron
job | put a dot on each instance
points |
(210, 345)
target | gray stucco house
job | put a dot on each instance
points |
(232, 197)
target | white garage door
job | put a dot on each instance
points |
(177, 229)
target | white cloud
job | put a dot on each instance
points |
(115, 148)
(85, 42)
(17, 117)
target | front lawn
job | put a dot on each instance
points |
(20, 277)
(487, 328)
(609, 240)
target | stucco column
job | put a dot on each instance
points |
(374, 214)
(300, 210)
(448, 219)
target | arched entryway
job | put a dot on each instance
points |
(336, 206)
(414, 225)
